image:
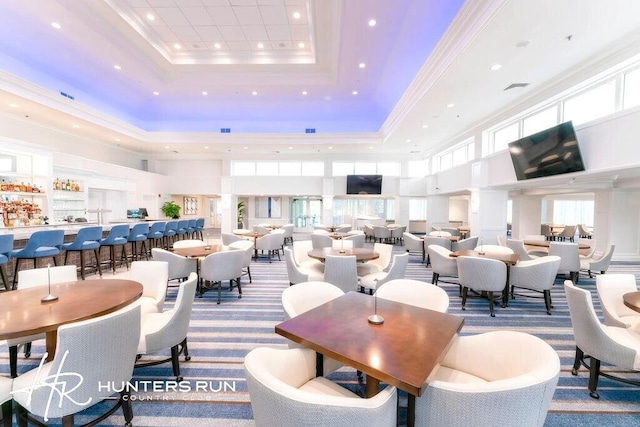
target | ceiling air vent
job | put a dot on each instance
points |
(225, 130)
(66, 95)
(516, 86)
(310, 130)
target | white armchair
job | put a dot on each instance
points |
(381, 233)
(301, 250)
(179, 266)
(609, 344)
(6, 399)
(320, 241)
(611, 288)
(153, 275)
(416, 293)
(481, 275)
(598, 263)
(341, 272)
(357, 240)
(221, 266)
(379, 264)
(272, 243)
(570, 263)
(466, 244)
(413, 244)
(537, 275)
(441, 263)
(284, 391)
(435, 241)
(514, 371)
(168, 329)
(298, 274)
(247, 247)
(396, 271)
(228, 238)
(517, 246)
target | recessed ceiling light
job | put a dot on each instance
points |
(372, 22)
(177, 46)
(206, 147)
(156, 93)
(304, 92)
(495, 67)
(217, 45)
(296, 15)
(76, 126)
(408, 140)
(355, 92)
(117, 67)
(246, 148)
(56, 25)
(450, 105)
(12, 105)
(290, 148)
(370, 148)
(150, 17)
(425, 126)
(166, 146)
(254, 93)
(361, 65)
(330, 148)
(204, 93)
(260, 46)
(117, 139)
(301, 45)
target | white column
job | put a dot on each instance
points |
(488, 214)
(437, 211)
(617, 221)
(526, 216)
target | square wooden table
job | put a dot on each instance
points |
(402, 352)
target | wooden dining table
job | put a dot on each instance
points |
(403, 351)
(361, 254)
(199, 252)
(632, 300)
(23, 314)
(546, 244)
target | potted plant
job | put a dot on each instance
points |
(171, 210)
(240, 214)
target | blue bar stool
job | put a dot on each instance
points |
(191, 229)
(117, 237)
(41, 244)
(6, 246)
(199, 228)
(181, 232)
(156, 234)
(139, 234)
(87, 239)
(170, 232)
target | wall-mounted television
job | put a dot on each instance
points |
(553, 151)
(364, 184)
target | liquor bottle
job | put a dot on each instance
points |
(68, 187)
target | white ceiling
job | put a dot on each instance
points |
(421, 56)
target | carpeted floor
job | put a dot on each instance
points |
(221, 335)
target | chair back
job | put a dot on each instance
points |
(416, 293)
(117, 235)
(587, 253)
(441, 262)
(538, 274)
(438, 241)
(583, 231)
(188, 243)
(397, 268)
(381, 232)
(343, 228)
(305, 296)
(469, 243)
(41, 276)
(52, 239)
(482, 274)
(260, 229)
(341, 271)
(517, 246)
(153, 275)
(171, 228)
(569, 231)
(611, 288)
(156, 231)
(101, 350)
(602, 264)
(199, 224)
(288, 230)
(138, 232)
(545, 230)
(247, 247)
(228, 238)
(183, 226)
(319, 241)
(178, 266)
(590, 335)
(176, 323)
(301, 250)
(220, 266)
(6, 244)
(294, 273)
(412, 242)
(385, 251)
(502, 240)
(568, 252)
(357, 239)
(439, 233)
(86, 238)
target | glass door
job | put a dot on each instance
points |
(305, 212)
(215, 212)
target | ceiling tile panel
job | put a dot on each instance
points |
(295, 2)
(186, 34)
(270, 2)
(232, 33)
(278, 32)
(209, 33)
(162, 3)
(188, 3)
(197, 16)
(139, 3)
(238, 45)
(300, 32)
(248, 15)
(167, 34)
(255, 32)
(208, 3)
(172, 16)
(274, 15)
(222, 15)
(243, 2)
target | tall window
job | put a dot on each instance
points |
(502, 137)
(417, 209)
(540, 121)
(417, 168)
(266, 169)
(573, 212)
(244, 168)
(591, 104)
(632, 88)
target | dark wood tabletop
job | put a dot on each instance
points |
(361, 254)
(632, 300)
(547, 243)
(22, 313)
(509, 259)
(200, 251)
(403, 351)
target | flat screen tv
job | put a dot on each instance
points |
(364, 184)
(553, 151)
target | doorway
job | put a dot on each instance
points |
(215, 212)
(305, 212)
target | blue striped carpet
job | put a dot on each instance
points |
(221, 335)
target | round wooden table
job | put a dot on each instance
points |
(22, 313)
(632, 300)
(361, 254)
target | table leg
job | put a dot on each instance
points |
(372, 387)
(411, 410)
(319, 364)
(51, 343)
(505, 291)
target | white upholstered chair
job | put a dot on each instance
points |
(101, 350)
(436, 241)
(379, 264)
(397, 234)
(319, 241)
(272, 243)
(221, 266)
(6, 400)
(502, 240)
(413, 244)
(247, 247)
(153, 275)
(570, 263)
(568, 232)
(514, 371)
(481, 275)
(179, 266)
(303, 297)
(341, 272)
(396, 271)
(536, 275)
(601, 343)
(598, 262)
(285, 391)
(441, 263)
(439, 233)
(29, 279)
(288, 233)
(381, 233)
(301, 250)
(583, 231)
(611, 288)
(587, 253)
(416, 293)
(356, 239)
(469, 243)
(228, 238)
(168, 330)
(517, 246)
(298, 274)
